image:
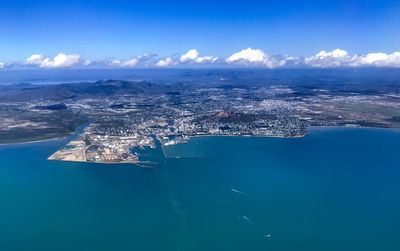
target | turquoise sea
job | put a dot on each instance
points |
(335, 189)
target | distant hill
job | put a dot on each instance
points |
(58, 92)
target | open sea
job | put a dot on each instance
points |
(335, 189)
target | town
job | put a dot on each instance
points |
(119, 116)
(124, 122)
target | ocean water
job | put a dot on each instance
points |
(334, 189)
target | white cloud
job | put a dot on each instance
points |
(274, 62)
(335, 58)
(293, 61)
(206, 59)
(60, 60)
(250, 55)
(247, 57)
(193, 56)
(381, 59)
(125, 63)
(341, 58)
(190, 55)
(371, 58)
(143, 60)
(2, 65)
(257, 57)
(35, 59)
(165, 62)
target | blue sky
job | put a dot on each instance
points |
(122, 29)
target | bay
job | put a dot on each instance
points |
(335, 189)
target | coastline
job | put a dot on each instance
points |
(309, 130)
(250, 136)
(34, 141)
(323, 128)
(60, 137)
(102, 163)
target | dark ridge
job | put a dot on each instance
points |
(52, 107)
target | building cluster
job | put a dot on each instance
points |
(125, 122)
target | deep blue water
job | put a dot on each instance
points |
(332, 190)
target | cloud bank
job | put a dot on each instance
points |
(244, 58)
(125, 63)
(142, 60)
(341, 58)
(248, 55)
(60, 60)
(193, 56)
(335, 58)
(256, 57)
(165, 62)
(382, 59)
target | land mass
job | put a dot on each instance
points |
(124, 115)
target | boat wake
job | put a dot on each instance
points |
(242, 193)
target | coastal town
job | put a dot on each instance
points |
(125, 122)
(121, 116)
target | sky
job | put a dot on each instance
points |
(127, 33)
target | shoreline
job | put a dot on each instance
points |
(34, 141)
(65, 136)
(139, 163)
(92, 162)
(321, 128)
(309, 131)
(249, 136)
